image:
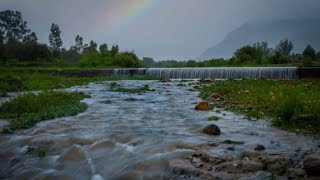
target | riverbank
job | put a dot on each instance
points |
(292, 105)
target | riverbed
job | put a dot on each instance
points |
(138, 136)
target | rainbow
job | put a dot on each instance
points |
(125, 12)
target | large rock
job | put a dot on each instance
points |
(312, 166)
(212, 129)
(202, 106)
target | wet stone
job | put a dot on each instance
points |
(212, 129)
(259, 148)
(312, 166)
(202, 106)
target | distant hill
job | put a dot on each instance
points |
(300, 32)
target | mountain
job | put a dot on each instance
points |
(300, 32)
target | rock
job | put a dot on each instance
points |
(181, 166)
(307, 119)
(296, 173)
(259, 148)
(240, 167)
(312, 166)
(212, 129)
(274, 163)
(165, 80)
(231, 148)
(202, 106)
(250, 154)
(215, 95)
(250, 166)
(232, 142)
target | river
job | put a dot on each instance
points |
(136, 136)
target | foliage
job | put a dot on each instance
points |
(55, 38)
(103, 50)
(247, 54)
(79, 47)
(263, 47)
(12, 25)
(285, 47)
(291, 104)
(32, 80)
(28, 109)
(309, 52)
(213, 118)
(114, 50)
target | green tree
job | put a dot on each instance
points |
(127, 60)
(247, 54)
(148, 61)
(79, 47)
(92, 48)
(114, 50)
(309, 52)
(285, 47)
(263, 47)
(55, 38)
(103, 49)
(31, 38)
(12, 25)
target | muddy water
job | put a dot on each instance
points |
(134, 136)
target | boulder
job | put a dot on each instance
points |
(259, 147)
(212, 129)
(202, 106)
(312, 166)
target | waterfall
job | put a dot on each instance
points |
(212, 73)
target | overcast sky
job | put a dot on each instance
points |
(161, 29)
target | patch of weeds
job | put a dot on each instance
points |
(41, 153)
(26, 110)
(213, 118)
(291, 104)
(181, 84)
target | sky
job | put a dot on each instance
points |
(162, 29)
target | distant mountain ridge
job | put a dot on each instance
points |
(300, 32)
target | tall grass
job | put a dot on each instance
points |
(28, 109)
(293, 105)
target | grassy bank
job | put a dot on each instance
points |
(21, 81)
(28, 109)
(292, 105)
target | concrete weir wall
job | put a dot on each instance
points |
(203, 73)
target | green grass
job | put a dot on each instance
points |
(139, 90)
(292, 105)
(21, 81)
(26, 110)
(213, 118)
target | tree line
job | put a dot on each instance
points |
(256, 54)
(19, 45)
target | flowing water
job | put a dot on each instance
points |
(213, 73)
(133, 136)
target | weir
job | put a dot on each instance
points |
(212, 73)
(200, 73)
